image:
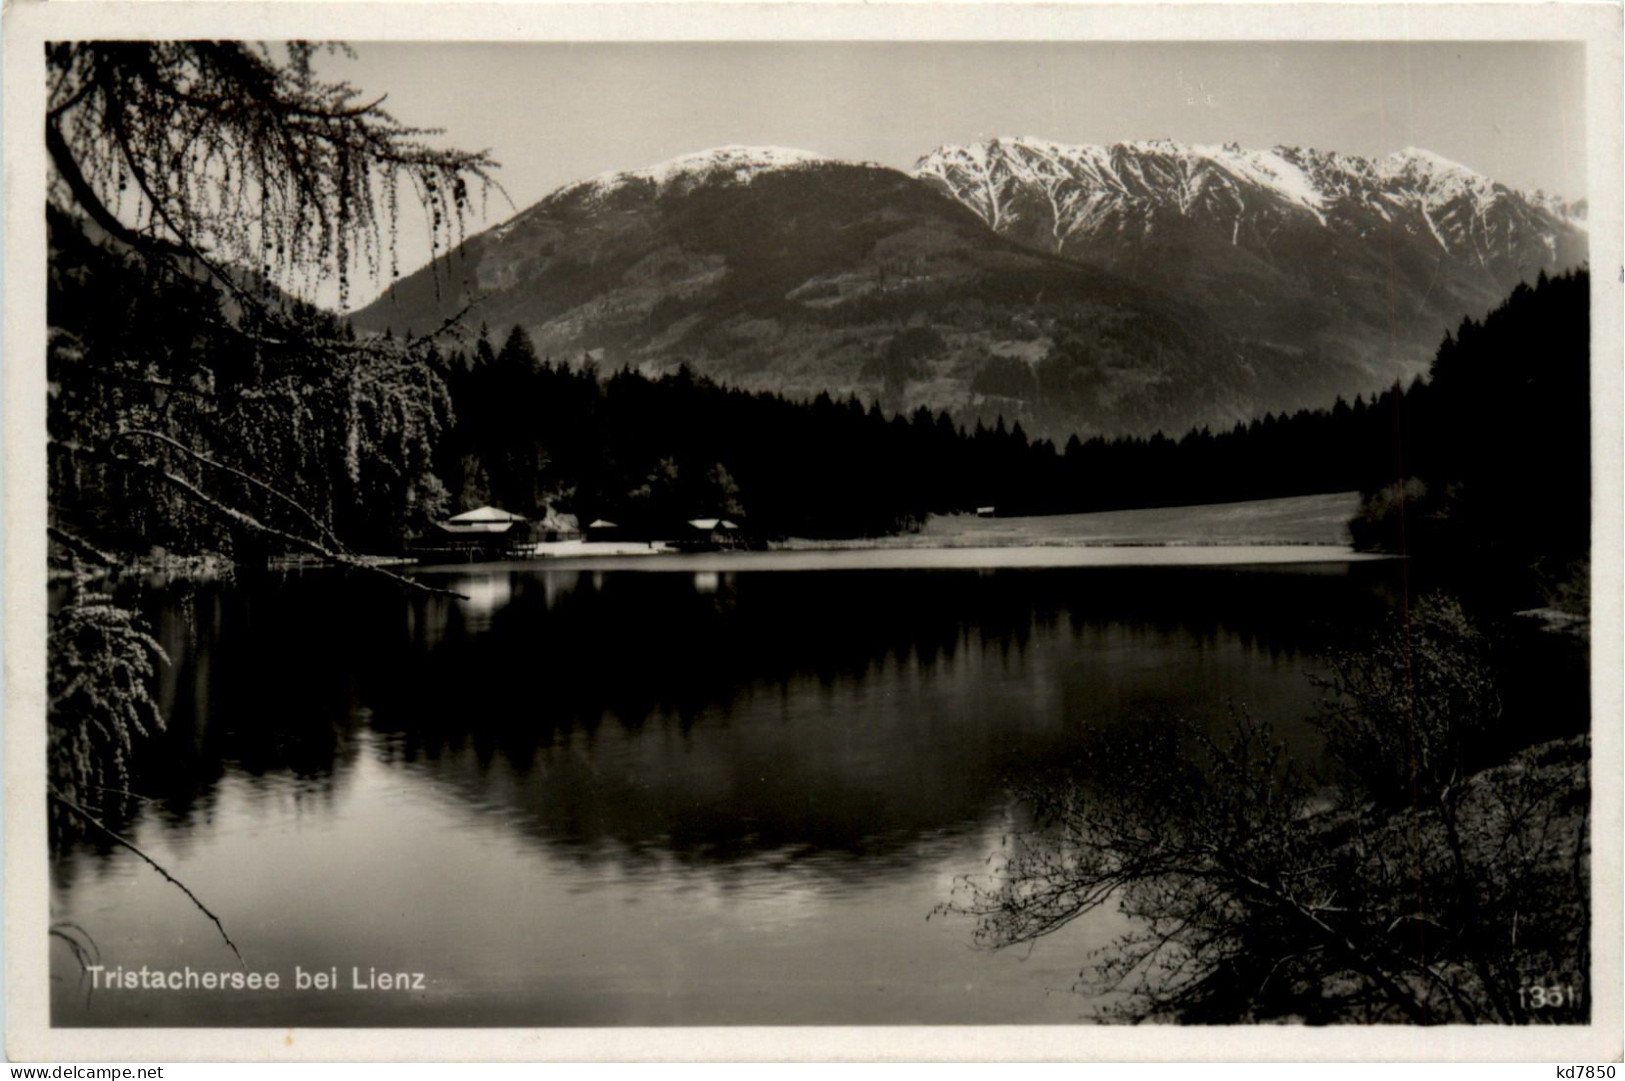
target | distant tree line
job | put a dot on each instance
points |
(381, 446)
(1501, 420)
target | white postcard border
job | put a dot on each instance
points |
(29, 23)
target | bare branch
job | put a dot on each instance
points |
(117, 838)
(82, 547)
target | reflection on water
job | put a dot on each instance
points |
(592, 796)
(482, 595)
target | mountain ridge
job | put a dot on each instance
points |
(1104, 290)
(1306, 177)
(1372, 260)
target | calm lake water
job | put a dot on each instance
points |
(671, 791)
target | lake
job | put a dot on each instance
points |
(672, 790)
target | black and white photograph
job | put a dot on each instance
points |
(649, 534)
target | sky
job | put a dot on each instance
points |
(552, 113)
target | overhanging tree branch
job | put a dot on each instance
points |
(256, 482)
(243, 518)
(84, 195)
(82, 547)
(117, 838)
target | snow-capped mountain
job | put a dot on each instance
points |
(1055, 194)
(719, 165)
(783, 271)
(1067, 197)
(1097, 289)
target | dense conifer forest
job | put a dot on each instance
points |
(1493, 467)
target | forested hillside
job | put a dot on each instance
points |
(1503, 410)
(1495, 463)
(804, 276)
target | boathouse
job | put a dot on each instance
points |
(488, 530)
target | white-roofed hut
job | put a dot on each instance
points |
(484, 532)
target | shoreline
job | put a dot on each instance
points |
(963, 557)
(1291, 529)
